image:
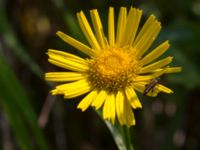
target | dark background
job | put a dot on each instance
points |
(27, 30)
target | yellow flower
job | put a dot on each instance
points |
(116, 66)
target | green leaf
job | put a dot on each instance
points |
(15, 120)
(18, 108)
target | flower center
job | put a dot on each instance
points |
(112, 69)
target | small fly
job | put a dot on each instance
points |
(150, 86)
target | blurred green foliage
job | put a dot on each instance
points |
(27, 30)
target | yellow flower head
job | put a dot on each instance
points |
(116, 66)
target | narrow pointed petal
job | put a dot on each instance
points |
(130, 118)
(98, 27)
(74, 89)
(164, 89)
(68, 65)
(147, 38)
(77, 92)
(105, 108)
(75, 43)
(85, 103)
(132, 25)
(112, 108)
(111, 27)
(72, 86)
(66, 55)
(132, 98)
(146, 78)
(120, 107)
(85, 26)
(143, 78)
(109, 108)
(174, 69)
(159, 64)
(71, 63)
(63, 76)
(145, 27)
(100, 99)
(121, 25)
(169, 69)
(157, 52)
(139, 86)
(136, 25)
(159, 88)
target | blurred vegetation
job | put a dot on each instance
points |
(27, 30)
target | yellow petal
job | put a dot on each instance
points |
(148, 77)
(111, 27)
(68, 86)
(147, 38)
(154, 92)
(85, 26)
(132, 24)
(164, 89)
(100, 99)
(174, 69)
(139, 86)
(112, 108)
(159, 64)
(63, 76)
(143, 78)
(120, 107)
(136, 25)
(73, 89)
(132, 98)
(145, 27)
(109, 108)
(98, 27)
(56, 58)
(157, 52)
(66, 55)
(121, 25)
(128, 112)
(105, 108)
(75, 43)
(85, 103)
(169, 69)
(77, 92)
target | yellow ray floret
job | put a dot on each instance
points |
(158, 51)
(128, 114)
(159, 64)
(111, 27)
(109, 108)
(75, 43)
(99, 100)
(98, 27)
(84, 24)
(63, 76)
(132, 98)
(85, 103)
(121, 25)
(132, 25)
(67, 62)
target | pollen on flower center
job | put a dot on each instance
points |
(112, 69)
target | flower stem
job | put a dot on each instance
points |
(128, 138)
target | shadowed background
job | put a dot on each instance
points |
(27, 30)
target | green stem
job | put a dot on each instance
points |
(128, 138)
(121, 134)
